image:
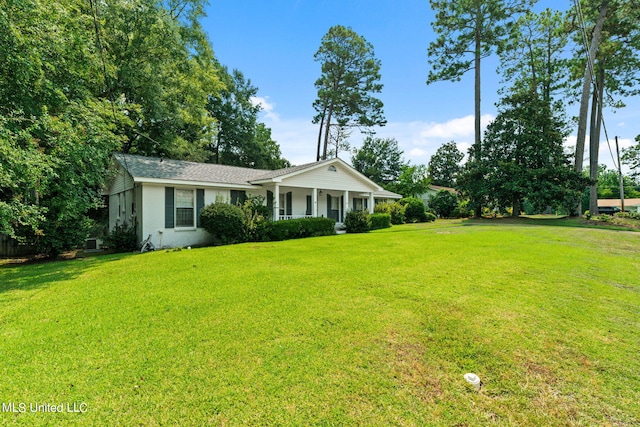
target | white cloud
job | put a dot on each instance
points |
(606, 153)
(268, 107)
(419, 140)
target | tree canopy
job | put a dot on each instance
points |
(523, 159)
(444, 166)
(379, 159)
(350, 75)
(80, 80)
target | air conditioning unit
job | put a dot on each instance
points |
(93, 244)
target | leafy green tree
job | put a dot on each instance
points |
(468, 31)
(412, 181)
(379, 159)
(236, 119)
(609, 184)
(74, 90)
(350, 77)
(268, 155)
(523, 158)
(240, 140)
(631, 158)
(533, 56)
(444, 165)
(444, 203)
(160, 72)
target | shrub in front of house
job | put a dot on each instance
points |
(296, 229)
(414, 209)
(226, 223)
(444, 203)
(255, 213)
(357, 222)
(429, 217)
(462, 210)
(380, 220)
(122, 238)
(395, 210)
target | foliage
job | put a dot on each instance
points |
(73, 91)
(412, 181)
(297, 228)
(631, 158)
(240, 140)
(414, 209)
(533, 57)
(357, 222)
(256, 213)
(467, 32)
(379, 159)
(523, 158)
(444, 165)
(462, 210)
(226, 223)
(429, 217)
(380, 220)
(350, 76)
(395, 210)
(122, 238)
(631, 215)
(608, 186)
(444, 203)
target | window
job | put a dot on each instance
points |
(184, 208)
(360, 204)
(332, 169)
(238, 197)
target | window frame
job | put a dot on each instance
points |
(177, 217)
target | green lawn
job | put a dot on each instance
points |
(372, 329)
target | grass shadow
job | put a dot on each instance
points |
(32, 275)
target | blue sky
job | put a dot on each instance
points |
(273, 43)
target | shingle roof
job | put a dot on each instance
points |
(180, 170)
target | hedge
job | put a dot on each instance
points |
(296, 229)
(380, 220)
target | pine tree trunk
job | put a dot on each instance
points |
(478, 138)
(326, 133)
(586, 86)
(594, 140)
(324, 111)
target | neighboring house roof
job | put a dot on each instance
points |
(437, 188)
(385, 194)
(154, 169)
(616, 202)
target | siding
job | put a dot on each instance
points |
(321, 177)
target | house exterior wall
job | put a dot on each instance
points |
(322, 177)
(153, 216)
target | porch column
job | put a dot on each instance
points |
(346, 203)
(372, 201)
(276, 202)
(314, 203)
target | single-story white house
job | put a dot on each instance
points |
(630, 205)
(162, 198)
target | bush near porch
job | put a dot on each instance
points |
(295, 229)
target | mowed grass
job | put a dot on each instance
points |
(372, 329)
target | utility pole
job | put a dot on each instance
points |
(620, 176)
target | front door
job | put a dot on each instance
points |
(333, 207)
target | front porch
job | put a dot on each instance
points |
(295, 202)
